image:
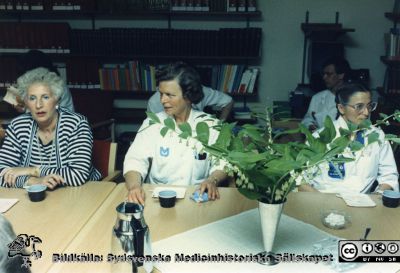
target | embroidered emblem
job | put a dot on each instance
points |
(164, 151)
(336, 170)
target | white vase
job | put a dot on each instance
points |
(270, 214)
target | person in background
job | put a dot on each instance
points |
(7, 236)
(173, 161)
(374, 162)
(212, 98)
(49, 144)
(335, 72)
(34, 59)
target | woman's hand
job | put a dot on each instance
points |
(136, 194)
(51, 180)
(133, 184)
(10, 174)
(211, 187)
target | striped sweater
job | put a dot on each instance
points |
(68, 155)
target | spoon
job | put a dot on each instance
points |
(367, 231)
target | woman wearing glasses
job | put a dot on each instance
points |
(375, 162)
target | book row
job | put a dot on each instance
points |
(123, 6)
(19, 37)
(179, 5)
(138, 76)
(135, 75)
(239, 42)
(46, 5)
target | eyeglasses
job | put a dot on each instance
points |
(360, 107)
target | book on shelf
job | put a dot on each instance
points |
(9, 5)
(241, 5)
(205, 5)
(22, 36)
(251, 5)
(248, 81)
(231, 5)
(36, 5)
(189, 5)
(254, 74)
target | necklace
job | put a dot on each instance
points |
(49, 159)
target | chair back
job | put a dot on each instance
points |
(104, 156)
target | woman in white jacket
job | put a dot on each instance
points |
(375, 162)
(171, 160)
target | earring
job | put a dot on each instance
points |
(57, 106)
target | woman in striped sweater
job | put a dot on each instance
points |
(49, 145)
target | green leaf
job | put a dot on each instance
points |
(393, 138)
(184, 135)
(333, 152)
(253, 132)
(236, 145)
(383, 115)
(169, 122)
(246, 157)
(345, 132)
(352, 127)
(186, 129)
(164, 131)
(224, 137)
(356, 146)
(152, 116)
(342, 159)
(318, 146)
(309, 137)
(342, 141)
(365, 124)
(373, 137)
(283, 165)
(250, 194)
(203, 132)
(329, 131)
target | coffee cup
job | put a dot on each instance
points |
(36, 193)
(391, 198)
(167, 198)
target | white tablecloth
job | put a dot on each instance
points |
(241, 235)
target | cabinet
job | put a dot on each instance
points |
(87, 56)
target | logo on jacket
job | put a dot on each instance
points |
(164, 151)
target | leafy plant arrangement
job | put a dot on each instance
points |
(267, 170)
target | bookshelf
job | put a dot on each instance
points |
(230, 46)
(390, 91)
(391, 85)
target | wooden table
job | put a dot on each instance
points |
(58, 218)
(70, 224)
(383, 221)
(95, 237)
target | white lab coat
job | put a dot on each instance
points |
(173, 160)
(322, 104)
(373, 162)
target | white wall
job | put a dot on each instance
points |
(283, 39)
